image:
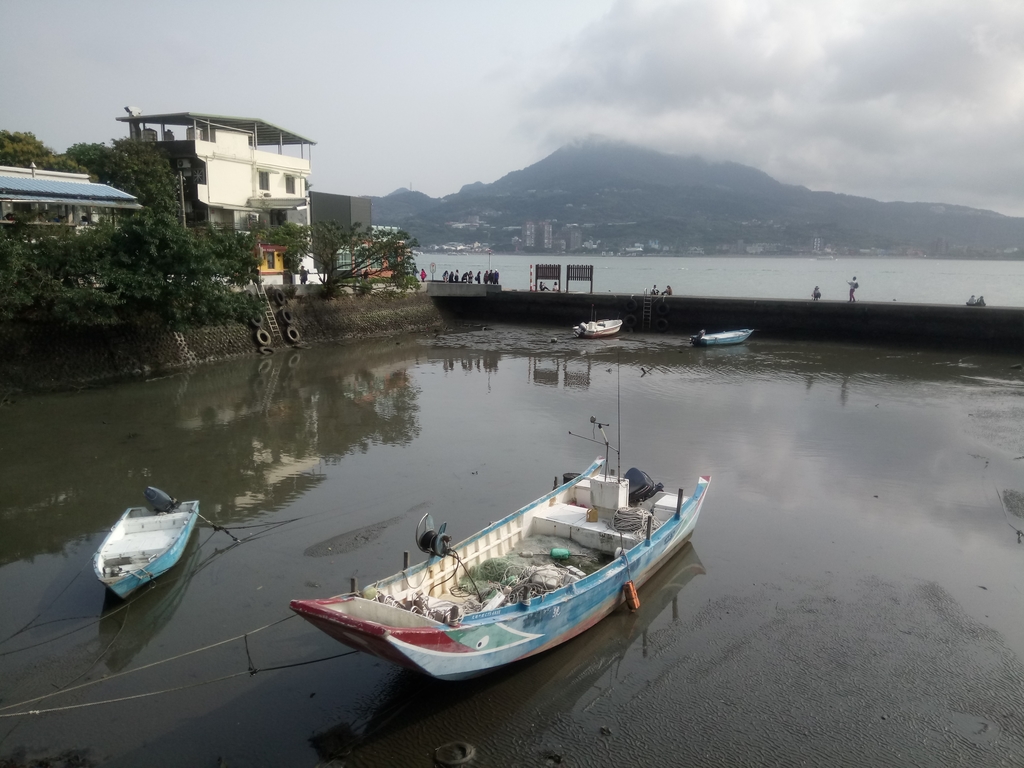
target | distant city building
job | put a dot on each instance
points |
(574, 238)
(546, 235)
(818, 245)
(529, 234)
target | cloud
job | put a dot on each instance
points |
(911, 99)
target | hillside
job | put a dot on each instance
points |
(620, 194)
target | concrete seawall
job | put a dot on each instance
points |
(43, 357)
(1000, 328)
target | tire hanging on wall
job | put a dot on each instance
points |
(266, 350)
(286, 316)
(631, 305)
(292, 334)
(278, 296)
(629, 321)
(662, 308)
(661, 325)
(262, 337)
(256, 322)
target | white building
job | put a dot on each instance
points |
(235, 172)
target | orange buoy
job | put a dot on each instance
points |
(632, 599)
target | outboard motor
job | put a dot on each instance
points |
(641, 486)
(161, 501)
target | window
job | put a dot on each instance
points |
(289, 185)
(265, 180)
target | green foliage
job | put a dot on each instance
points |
(363, 287)
(20, 150)
(392, 250)
(93, 157)
(140, 168)
(326, 240)
(295, 237)
(147, 268)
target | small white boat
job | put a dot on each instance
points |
(596, 329)
(717, 339)
(144, 543)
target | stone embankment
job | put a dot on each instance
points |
(36, 357)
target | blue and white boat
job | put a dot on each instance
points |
(717, 339)
(144, 543)
(522, 585)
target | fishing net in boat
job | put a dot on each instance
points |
(512, 579)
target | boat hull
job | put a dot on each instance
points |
(486, 641)
(133, 575)
(597, 330)
(721, 339)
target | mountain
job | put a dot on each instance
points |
(620, 194)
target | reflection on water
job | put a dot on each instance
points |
(407, 721)
(127, 627)
(243, 437)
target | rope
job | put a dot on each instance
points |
(147, 666)
(48, 605)
(251, 671)
(1018, 531)
(114, 701)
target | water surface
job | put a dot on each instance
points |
(852, 592)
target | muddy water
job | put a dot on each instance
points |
(853, 592)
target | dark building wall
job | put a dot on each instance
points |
(345, 210)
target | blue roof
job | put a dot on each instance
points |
(25, 187)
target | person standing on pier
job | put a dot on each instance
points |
(816, 293)
(854, 285)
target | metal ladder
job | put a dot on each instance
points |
(645, 324)
(268, 310)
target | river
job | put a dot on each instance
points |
(852, 592)
(918, 281)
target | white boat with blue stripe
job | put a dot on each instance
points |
(145, 543)
(522, 585)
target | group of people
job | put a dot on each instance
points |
(490, 277)
(854, 285)
(976, 302)
(666, 292)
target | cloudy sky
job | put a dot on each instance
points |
(892, 99)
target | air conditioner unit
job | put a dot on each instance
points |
(183, 163)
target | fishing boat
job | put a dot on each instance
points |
(523, 584)
(145, 543)
(597, 329)
(717, 339)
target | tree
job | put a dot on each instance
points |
(146, 268)
(295, 238)
(95, 158)
(390, 250)
(140, 168)
(326, 240)
(20, 150)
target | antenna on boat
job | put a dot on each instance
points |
(600, 426)
(618, 410)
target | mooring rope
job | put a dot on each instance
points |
(145, 666)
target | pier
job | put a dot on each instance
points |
(997, 328)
